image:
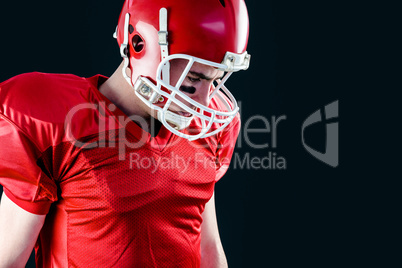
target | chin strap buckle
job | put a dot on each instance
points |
(144, 89)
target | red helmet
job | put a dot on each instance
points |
(150, 33)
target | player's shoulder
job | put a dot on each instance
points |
(42, 95)
(40, 87)
(38, 103)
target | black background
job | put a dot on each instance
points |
(303, 215)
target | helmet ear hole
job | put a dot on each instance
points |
(138, 43)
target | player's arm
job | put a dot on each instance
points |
(19, 231)
(212, 254)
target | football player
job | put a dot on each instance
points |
(120, 171)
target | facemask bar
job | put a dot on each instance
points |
(175, 89)
(220, 117)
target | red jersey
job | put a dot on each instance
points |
(114, 195)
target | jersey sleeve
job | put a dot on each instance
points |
(226, 145)
(22, 178)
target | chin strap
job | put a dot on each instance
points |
(124, 49)
(163, 43)
(142, 86)
(179, 122)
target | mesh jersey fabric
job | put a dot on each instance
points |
(113, 194)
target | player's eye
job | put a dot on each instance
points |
(192, 79)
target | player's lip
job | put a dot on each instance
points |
(185, 114)
(182, 113)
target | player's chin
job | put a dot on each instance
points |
(180, 126)
(174, 126)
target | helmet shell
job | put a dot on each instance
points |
(205, 29)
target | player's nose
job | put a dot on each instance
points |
(202, 94)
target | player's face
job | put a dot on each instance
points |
(197, 84)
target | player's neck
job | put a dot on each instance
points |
(120, 93)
